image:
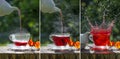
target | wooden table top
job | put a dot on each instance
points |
(9, 50)
(48, 49)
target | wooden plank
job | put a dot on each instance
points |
(19, 56)
(100, 56)
(60, 56)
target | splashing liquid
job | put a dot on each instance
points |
(101, 34)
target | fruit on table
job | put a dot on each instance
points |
(30, 42)
(70, 42)
(117, 44)
(77, 44)
(37, 44)
(111, 43)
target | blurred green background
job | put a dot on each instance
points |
(30, 19)
(94, 9)
(50, 22)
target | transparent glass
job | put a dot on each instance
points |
(60, 39)
(20, 39)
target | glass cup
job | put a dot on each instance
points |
(60, 39)
(101, 38)
(20, 39)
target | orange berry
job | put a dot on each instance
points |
(111, 43)
(70, 42)
(37, 44)
(117, 44)
(77, 44)
(30, 42)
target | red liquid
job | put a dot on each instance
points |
(20, 43)
(60, 41)
(101, 37)
(101, 34)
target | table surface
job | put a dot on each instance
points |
(48, 49)
(89, 50)
(7, 53)
(47, 52)
(6, 50)
(111, 53)
(44, 49)
(44, 53)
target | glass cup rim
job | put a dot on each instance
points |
(20, 33)
(60, 34)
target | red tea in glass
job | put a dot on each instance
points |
(60, 39)
(20, 39)
(20, 43)
(101, 35)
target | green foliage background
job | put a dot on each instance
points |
(94, 9)
(30, 19)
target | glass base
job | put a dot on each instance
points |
(100, 48)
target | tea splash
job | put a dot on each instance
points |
(101, 34)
